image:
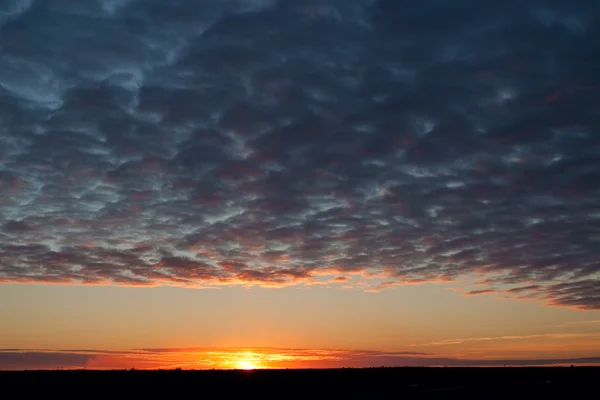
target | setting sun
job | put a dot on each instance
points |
(246, 365)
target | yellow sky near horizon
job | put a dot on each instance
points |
(414, 318)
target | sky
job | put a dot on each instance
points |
(299, 183)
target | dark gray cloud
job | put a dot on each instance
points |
(275, 142)
(483, 291)
(23, 360)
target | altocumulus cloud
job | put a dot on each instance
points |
(224, 142)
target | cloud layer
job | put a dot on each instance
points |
(268, 142)
(226, 358)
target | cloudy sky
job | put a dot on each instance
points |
(393, 179)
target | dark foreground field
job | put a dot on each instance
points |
(372, 383)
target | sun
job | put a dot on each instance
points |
(246, 365)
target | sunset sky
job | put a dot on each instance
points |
(299, 183)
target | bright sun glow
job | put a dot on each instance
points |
(246, 364)
(247, 360)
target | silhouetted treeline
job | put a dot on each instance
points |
(370, 383)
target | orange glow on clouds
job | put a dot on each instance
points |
(269, 358)
(217, 358)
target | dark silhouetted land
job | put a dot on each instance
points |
(372, 383)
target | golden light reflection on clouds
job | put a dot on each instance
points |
(271, 358)
(226, 358)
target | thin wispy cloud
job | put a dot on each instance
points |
(477, 292)
(579, 324)
(589, 322)
(247, 142)
(512, 337)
